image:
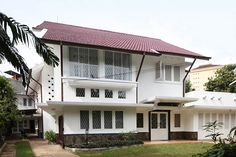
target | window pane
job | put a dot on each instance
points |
(109, 65)
(29, 102)
(176, 73)
(95, 93)
(108, 93)
(119, 119)
(97, 119)
(200, 121)
(80, 92)
(121, 94)
(226, 121)
(117, 68)
(24, 101)
(162, 120)
(221, 118)
(207, 118)
(168, 72)
(139, 120)
(154, 121)
(83, 60)
(108, 119)
(73, 54)
(93, 63)
(177, 120)
(126, 67)
(84, 119)
(158, 70)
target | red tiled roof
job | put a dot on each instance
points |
(108, 39)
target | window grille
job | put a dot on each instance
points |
(122, 94)
(162, 120)
(29, 102)
(177, 120)
(95, 93)
(84, 119)
(24, 101)
(96, 119)
(119, 119)
(176, 73)
(108, 93)
(80, 92)
(139, 120)
(108, 119)
(154, 121)
(168, 73)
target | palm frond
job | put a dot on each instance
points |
(22, 33)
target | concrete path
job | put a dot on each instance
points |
(9, 150)
(42, 149)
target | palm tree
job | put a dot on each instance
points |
(12, 33)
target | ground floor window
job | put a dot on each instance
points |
(177, 120)
(84, 119)
(108, 119)
(139, 120)
(119, 119)
(96, 119)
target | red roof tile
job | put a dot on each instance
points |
(108, 39)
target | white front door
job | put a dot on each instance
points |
(159, 126)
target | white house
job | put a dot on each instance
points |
(209, 107)
(109, 83)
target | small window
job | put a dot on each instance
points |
(108, 119)
(139, 120)
(24, 101)
(80, 92)
(108, 93)
(119, 119)
(73, 54)
(29, 102)
(96, 119)
(84, 119)
(95, 93)
(176, 73)
(168, 72)
(122, 94)
(177, 120)
(158, 70)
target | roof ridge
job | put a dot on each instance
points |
(97, 29)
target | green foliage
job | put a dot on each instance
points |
(8, 109)
(50, 136)
(21, 33)
(188, 86)
(223, 77)
(128, 136)
(212, 128)
(23, 149)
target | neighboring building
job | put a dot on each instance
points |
(25, 103)
(209, 107)
(109, 83)
(199, 76)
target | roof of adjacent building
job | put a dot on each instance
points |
(207, 66)
(113, 40)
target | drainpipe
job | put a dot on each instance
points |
(187, 75)
(137, 77)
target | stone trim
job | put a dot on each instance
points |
(183, 135)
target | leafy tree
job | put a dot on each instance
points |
(8, 108)
(13, 33)
(188, 86)
(223, 77)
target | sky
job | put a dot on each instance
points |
(207, 27)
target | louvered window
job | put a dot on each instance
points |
(83, 62)
(84, 119)
(108, 119)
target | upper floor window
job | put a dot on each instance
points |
(24, 101)
(29, 102)
(83, 62)
(167, 72)
(95, 93)
(117, 66)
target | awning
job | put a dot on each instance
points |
(169, 100)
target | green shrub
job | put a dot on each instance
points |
(50, 136)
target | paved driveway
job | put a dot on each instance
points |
(43, 149)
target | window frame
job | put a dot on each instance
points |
(177, 120)
(77, 95)
(137, 120)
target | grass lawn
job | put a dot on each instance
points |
(23, 149)
(164, 150)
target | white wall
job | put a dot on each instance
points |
(20, 103)
(72, 120)
(50, 122)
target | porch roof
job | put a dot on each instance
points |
(168, 99)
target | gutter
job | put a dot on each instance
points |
(187, 75)
(137, 77)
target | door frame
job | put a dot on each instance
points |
(150, 121)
